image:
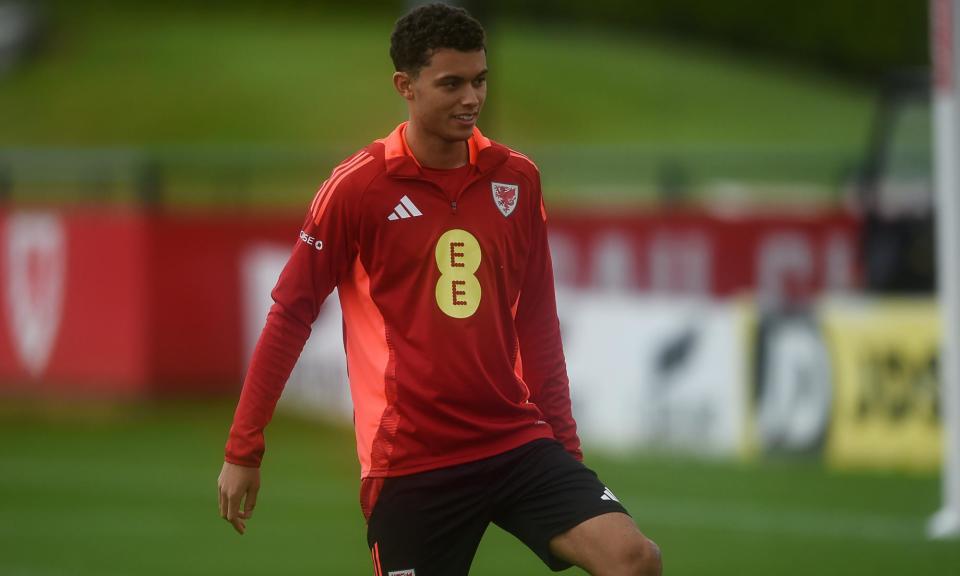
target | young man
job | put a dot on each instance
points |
(435, 237)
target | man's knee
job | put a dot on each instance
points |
(641, 557)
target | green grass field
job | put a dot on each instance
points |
(130, 490)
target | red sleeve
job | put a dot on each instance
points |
(538, 329)
(323, 252)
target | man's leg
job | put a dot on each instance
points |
(564, 513)
(608, 545)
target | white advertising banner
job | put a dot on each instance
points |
(661, 373)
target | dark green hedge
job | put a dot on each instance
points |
(864, 38)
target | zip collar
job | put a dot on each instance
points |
(481, 153)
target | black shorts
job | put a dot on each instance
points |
(431, 523)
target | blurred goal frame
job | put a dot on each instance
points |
(945, 48)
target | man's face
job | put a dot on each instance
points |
(445, 98)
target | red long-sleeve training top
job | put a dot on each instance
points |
(450, 325)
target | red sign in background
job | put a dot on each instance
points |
(150, 303)
(942, 45)
(787, 256)
(98, 340)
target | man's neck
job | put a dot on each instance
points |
(434, 152)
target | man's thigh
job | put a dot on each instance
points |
(548, 493)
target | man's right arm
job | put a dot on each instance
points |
(323, 253)
(277, 350)
(274, 357)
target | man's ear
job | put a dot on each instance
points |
(403, 84)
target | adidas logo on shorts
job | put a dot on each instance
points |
(608, 495)
(402, 573)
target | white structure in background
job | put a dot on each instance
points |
(945, 21)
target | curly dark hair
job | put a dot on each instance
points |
(428, 28)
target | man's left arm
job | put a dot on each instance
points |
(538, 330)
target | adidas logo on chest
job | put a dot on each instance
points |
(404, 209)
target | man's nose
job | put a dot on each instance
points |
(471, 97)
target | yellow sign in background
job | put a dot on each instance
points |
(886, 390)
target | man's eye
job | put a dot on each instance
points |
(479, 81)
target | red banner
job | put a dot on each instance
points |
(122, 302)
(100, 301)
(783, 257)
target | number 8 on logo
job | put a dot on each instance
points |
(458, 258)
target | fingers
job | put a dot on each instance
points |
(221, 498)
(238, 487)
(239, 526)
(233, 512)
(250, 502)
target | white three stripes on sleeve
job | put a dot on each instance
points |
(345, 168)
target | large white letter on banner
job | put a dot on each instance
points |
(36, 273)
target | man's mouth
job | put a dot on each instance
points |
(466, 117)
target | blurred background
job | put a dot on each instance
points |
(741, 217)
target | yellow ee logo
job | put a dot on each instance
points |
(458, 258)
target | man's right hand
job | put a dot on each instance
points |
(238, 485)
